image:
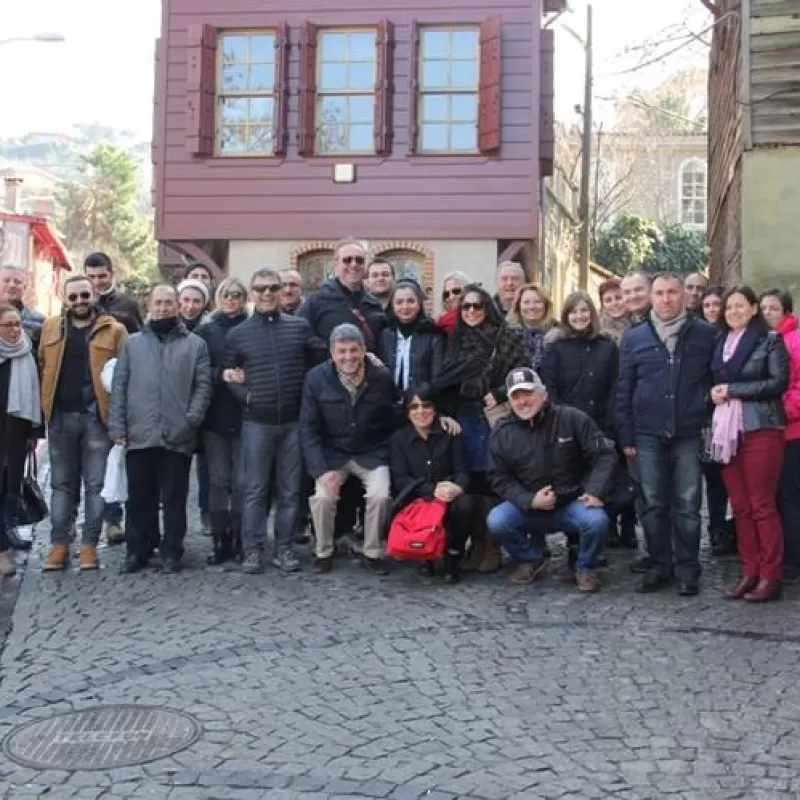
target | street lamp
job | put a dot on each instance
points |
(39, 37)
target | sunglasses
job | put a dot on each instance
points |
(272, 288)
(456, 291)
(232, 295)
(359, 261)
(420, 406)
(472, 306)
(79, 296)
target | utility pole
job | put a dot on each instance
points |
(586, 160)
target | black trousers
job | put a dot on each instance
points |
(460, 522)
(157, 474)
(716, 498)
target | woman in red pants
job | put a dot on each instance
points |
(751, 372)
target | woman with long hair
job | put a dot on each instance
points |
(532, 313)
(751, 372)
(452, 290)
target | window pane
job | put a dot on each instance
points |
(434, 108)
(259, 139)
(262, 77)
(362, 46)
(435, 44)
(333, 46)
(262, 49)
(360, 138)
(233, 140)
(464, 74)
(333, 110)
(465, 44)
(234, 49)
(332, 139)
(234, 78)
(434, 74)
(362, 109)
(434, 137)
(333, 76)
(234, 111)
(463, 137)
(261, 110)
(361, 76)
(464, 107)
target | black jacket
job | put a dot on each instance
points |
(580, 460)
(582, 373)
(438, 458)
(275, 352)
(224, 415)
(124, 309)
(662, 394)
(761, 383)
(427, 352)
(335, 430)
(333, 305)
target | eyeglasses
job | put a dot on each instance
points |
(422, 406)
(359, 261)
(456, 291)
(79, 296)
(11, 325)
(272, 288)
(472, 306)
(232, 295)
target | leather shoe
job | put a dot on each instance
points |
(172, 566)
(745, 585)
(642, 565)
(652, 582)
(688, 588)
(765, 592)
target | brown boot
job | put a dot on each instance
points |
(492, 558)
(88, 558)
(8, 566)
(526, 574)
(475, 559)
(57, 558)
(587, 581)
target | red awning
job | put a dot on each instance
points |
(46, 243)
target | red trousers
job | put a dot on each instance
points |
(752, 480)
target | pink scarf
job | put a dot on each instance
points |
(727, 424)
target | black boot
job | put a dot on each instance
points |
(235, 529)
(452, 567)
(627, 529)
(220, 531)
(613, 538)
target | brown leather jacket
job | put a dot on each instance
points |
(105, 342)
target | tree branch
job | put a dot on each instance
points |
(711, 6)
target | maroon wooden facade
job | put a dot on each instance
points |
(290, 194)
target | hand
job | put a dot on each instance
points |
(374, 360)
(332, 481)
(450, 426)
(121, 441)
(31, 445)
(235, 375)
(447, 491)
(590, 501)
(719, 394)
(545, 499)
(489, 401)
(630, 452)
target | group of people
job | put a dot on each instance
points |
(351, 402)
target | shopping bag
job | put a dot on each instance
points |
(115, 485)
(31, 506)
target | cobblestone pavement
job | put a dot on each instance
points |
(353, 686)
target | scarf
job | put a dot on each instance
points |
(533, 338)
(614, 328)
(727, 424)
(352, 383)
(669, 331)
(24, 399)
(164, 327)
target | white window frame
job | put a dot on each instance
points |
(686, 166)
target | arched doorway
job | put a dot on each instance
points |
(315, 267)
(406, 263)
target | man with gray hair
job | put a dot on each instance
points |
(510, 276)
(350, 409)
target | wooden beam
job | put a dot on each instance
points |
(195, 253)
(511, 252)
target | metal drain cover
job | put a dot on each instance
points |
(101, 738)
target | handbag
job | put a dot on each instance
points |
(417, 532)
(501, 411)
(31, 506)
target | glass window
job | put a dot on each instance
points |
(693, 193)
(346, 92)
(245, 99)
(448, 95)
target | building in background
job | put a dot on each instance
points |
(424, 131)
(754, 143)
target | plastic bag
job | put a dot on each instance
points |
(107, 375)
(115, 485)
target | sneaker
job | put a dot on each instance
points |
(88, 558)
(253, 563)
(115, 533)
(526, 574)
(286, 561)
(8, 566)
(587, 581)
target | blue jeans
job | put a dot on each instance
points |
(672, 483)
(79, 446)
(517, 530)
(269, 450)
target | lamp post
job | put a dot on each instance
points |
(39, 37)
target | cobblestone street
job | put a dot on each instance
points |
(352, 686)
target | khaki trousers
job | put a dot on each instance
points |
(377, 487)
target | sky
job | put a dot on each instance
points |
(103, 72)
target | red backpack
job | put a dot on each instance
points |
(417, 532)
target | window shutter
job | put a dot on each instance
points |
(280, 122)
(489, 87)
(546, 102)
(307, 134)
(201, 90)
(413, 97)
(384, 87)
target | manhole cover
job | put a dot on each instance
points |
(101, 738)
